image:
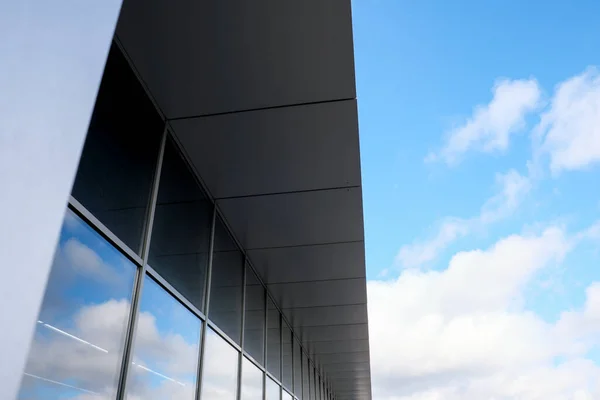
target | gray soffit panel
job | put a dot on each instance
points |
(335, 332)
(358, 356)
(319, 293)
(343, 367)
(207, 57)
(337, 346)
(327, 315)
(299, 148)
(352, 383)
(310, 263)
(296, 219)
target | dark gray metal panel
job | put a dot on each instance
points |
(359, 356)
(328, 315)
(337, 346)
(295, 219)
(344, 367)
(319, 293)
(352, 383)
(335, 332)
(349, 374)
(206, 57)
(308, 263)
(298, 148)
(355, 385)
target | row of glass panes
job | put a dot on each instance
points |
(82, 334)
(130, 280)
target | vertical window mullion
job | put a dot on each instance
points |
(141, 272)
(206, 304)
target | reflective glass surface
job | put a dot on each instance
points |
(315, 390)
(297, 369)
(166, 347)
(286, 396)
(181, 230)
(118, 161)
(315, 387)
(80, 332)
(287, 361)
(252, 381)
(226, 283)
(219, 376)
(273, 340)
(311, 381)
(320, 389)
(272, 390)
(305, 378)
(254, 327)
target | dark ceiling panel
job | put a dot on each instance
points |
(308, 263)
(327, 315)
(335, 332)
(319, 293)
(359, 356)
(337, 346)
(349, 375)
(206, 57)
(296, 219)
(351, 381)
(358, 366)
(298, 148)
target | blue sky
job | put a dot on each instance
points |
(421, 67)
(480, 147)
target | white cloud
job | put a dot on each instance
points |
(463, 333)
(63, 359)
(513, 188)
(421, 252)
(491, 125)
(83, 260)
(569, 130)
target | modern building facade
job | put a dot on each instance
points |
(213, 244)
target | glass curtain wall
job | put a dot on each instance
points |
(134, 307)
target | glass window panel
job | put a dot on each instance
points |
(80, 333)
(287, 364)
(165, 352)
(320, 388)
(272, 390)
(226, 286)
(286, 396)
(313, 387)
(305, 378)
(181, 230)
(118, 161)
(219, 377)
(252, 381)
(273, 340)
(254, 327)
(316, 386)
(297, 369)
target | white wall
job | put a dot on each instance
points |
(52, 54)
